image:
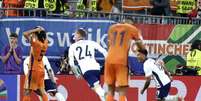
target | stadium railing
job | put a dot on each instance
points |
(20, 12)
(138, 18)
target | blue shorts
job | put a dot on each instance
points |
(50, 86)
(163, 91)
(92, 76)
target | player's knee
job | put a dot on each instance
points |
(27, 92)
(52, 93)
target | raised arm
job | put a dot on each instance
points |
(71, 60)
(146, 85)
(28, 33)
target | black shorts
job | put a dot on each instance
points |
(163, 91)
(91, 77)
(50, 86)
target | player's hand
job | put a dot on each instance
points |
(171, 79)
(40, 28)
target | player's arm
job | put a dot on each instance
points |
(139, 41)
(148, 74)
(17, 57)
(28, 33)
(26, 66)
(137, 36)
(146, 85)
(5, 55)
(49, 69)
(71, 60)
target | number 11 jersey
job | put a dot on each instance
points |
(119, 39)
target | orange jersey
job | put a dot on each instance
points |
(119, 38)
(37, 52)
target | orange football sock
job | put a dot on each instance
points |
(26, 98)
(122, 98)
(109, 98)
(44, 97)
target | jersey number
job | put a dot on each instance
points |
(121, 39)
(87, 53)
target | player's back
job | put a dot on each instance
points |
(84, 53)
(38, 51)
(158, 72)
(119, 37)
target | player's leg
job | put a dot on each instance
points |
(28, 84)
(174, 98)
(122, 93)
(59, 96)
(99, 90)
(41, 85)
(163, 92)
(110, 93)
(122, 81)
(51, 89)
(38, 94)
(27, 95)
(109, 77)
(43, 94)
(92, 77)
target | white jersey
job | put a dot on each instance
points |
(83, 52)
(157, 72)
(45, 61)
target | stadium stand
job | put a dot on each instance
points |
(12, 4)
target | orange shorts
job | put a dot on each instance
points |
(116, 74)
(34, 80)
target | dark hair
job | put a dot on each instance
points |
(143, 51)
(195, 44)
(13, 35)
(127, 19)
(41, 36)
(82, 32)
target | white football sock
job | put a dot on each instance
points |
(100, 91)
(59, 97)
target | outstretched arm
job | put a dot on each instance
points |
(146, 85)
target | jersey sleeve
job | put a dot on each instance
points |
(71, 56)
(147, 69)
(100, 49)
(25, 66)
(46, 63)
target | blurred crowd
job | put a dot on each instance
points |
(56, 6)
(182, 8)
